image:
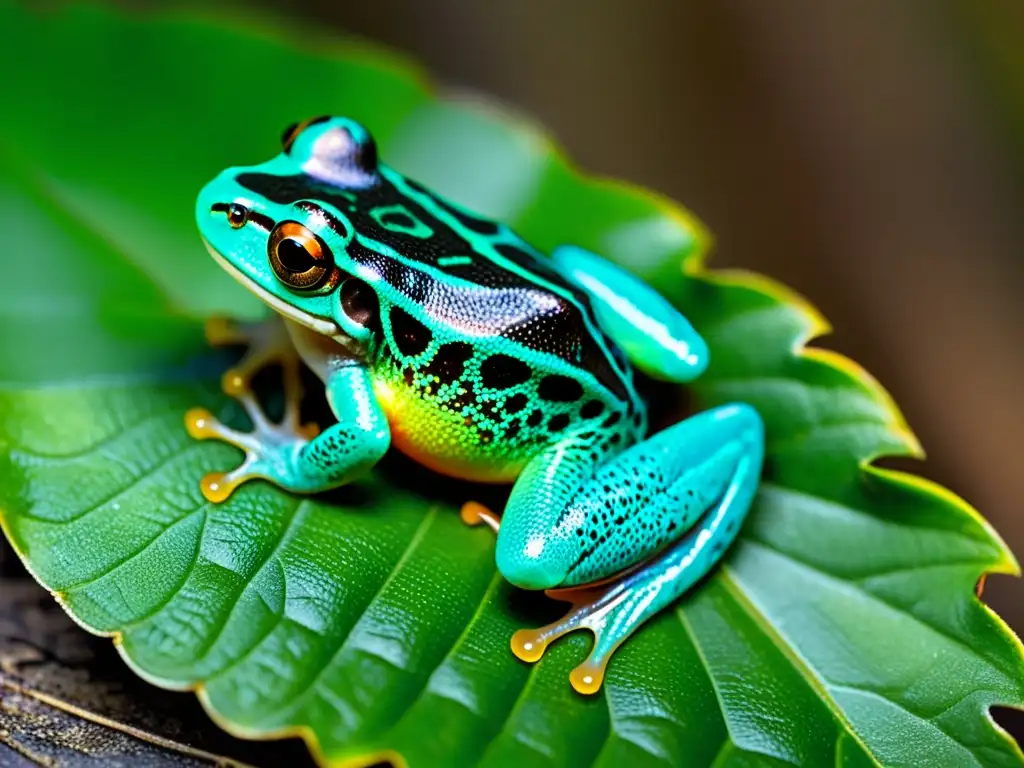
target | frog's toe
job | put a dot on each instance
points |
(530, 645)
(218, 486)
(203, 425)
(594, 610)
(268, 447)
(588, 677)
(474, 513)
(235, 383)
(222, 331)
(266, 342)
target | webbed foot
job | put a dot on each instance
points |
(266, 343)
(593, 608)
(270, 448)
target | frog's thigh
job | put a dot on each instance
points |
(706, 467)
(635, 504)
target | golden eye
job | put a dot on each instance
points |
(297, 257)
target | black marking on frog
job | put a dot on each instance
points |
(516, 403)
(410, 335)
(449, 362)
(470, 221)
(558, 422)
(556, 388)
(543, 321)
(501, 371)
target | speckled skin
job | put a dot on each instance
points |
(448, 336)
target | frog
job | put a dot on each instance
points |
(442, 333)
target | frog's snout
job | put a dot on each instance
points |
(213, 198)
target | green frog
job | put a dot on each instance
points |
(444, 334)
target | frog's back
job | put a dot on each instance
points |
(488, 355)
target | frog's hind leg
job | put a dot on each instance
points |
(699, 476)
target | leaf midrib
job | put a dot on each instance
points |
(798, 662)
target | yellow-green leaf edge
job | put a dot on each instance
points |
(694, 266)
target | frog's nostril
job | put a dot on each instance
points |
(237, 215)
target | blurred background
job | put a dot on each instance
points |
(869, 154)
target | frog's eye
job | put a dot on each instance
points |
(298, 258)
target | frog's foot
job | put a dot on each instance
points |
(266, 343)
(270, 449)
(613, 608)
(474, 513)
(593, 608)
(608, 608)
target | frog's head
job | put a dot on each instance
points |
(280, 227)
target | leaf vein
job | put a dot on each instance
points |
(855, 587)
(118, 493)
(295, 702)
(203, 651)
(137, 553)
(104, 442)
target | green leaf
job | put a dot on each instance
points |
(842, 628)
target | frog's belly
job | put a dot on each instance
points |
(448, 442)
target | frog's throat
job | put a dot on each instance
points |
(317, 324)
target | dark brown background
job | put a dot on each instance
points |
(868, 153)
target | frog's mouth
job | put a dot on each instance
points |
(318, 324)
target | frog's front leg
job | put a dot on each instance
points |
(662, 511)
(294, 456)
